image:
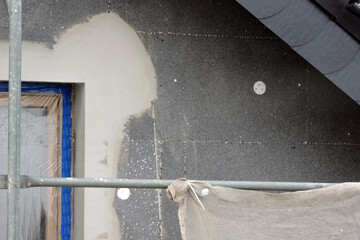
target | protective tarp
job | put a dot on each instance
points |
(208, 212)
(41, 128)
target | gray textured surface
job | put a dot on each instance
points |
(318, 39)
(138, 215)
(211, 125)
(264, 162)
(207, 122)
(199, 81)
(188, 17)
(330, 119)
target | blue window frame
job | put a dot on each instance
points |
(66, 141)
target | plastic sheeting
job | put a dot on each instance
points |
(207, 212)
(42, 154)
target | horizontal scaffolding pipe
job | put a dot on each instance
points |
(28, 182)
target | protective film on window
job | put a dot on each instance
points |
(45, 213)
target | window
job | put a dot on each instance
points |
(46, 146)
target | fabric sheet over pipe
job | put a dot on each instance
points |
(209, 212)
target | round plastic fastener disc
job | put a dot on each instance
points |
(123, 193)
(259, 87)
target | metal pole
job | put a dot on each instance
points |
(13, 183)
(27, 182)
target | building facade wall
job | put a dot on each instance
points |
(167, 91)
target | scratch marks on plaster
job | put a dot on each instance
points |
(205, 35)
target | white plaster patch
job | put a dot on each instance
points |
(107, 55)
(123, 193)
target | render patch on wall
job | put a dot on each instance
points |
(107, 56)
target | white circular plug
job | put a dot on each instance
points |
(123, 193)
(259, 87)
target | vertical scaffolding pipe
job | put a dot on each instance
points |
(13, 219)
